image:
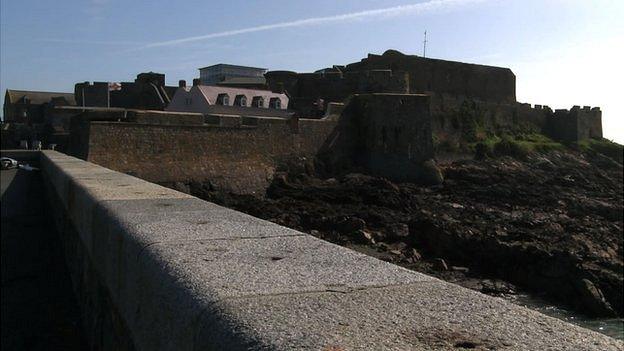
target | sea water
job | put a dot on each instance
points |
(613, 327)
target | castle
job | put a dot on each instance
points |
(463, 96)
(388, 114)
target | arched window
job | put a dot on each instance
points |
(275, 103)
(240, 100)
(223, 99)
(257, 101)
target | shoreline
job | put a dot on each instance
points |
(550, 225)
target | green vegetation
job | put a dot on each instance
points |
(492, 145)
(471, 121)
(519, 145)
(605, 147)
(472, 128)
(536, 142)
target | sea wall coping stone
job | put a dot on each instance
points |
(186, 274)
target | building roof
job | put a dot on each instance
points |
(211, 92)
(243, 81)
(232, 66)
(37, 97)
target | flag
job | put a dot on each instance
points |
(113, 86)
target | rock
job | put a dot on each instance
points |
(431, 173)
(351, 224)
(481, 151)
(554, 228)
(383, 183)
(331, 181)
(545, 164)
(439, 264)
(415, 254)
(460, 269)
(592, 300)
(397, 231)
(397, 252)
(497, 287)
(399, 246)
(358, 178)
(288, 220)
(554, 270)
(383, 247)
(471, 283)
(365, 237)
(514, 219)
(182, 187)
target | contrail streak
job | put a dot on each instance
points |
(94, 42)
(402, 10)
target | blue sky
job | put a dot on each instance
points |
(562, 52)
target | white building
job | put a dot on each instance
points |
(224, 73)
(201, 99)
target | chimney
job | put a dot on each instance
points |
(182, 83)
(196, 82)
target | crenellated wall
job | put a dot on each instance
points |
(576, 124)
(467, 100)
(473, 119)
(469, 118)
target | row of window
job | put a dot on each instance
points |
(241, 100)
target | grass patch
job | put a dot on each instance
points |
(536, 142)
(603, 146)
(519, 145)
(511, 147)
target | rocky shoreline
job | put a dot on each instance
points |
(550, 224)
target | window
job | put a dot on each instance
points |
(240, 100)
(223, 99)
(275, 103)
(258, 101)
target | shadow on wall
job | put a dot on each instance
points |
(387, 135)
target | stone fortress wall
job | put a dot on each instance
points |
(240, 154)
(577, 123)
(468, 119)
(433, 76)
(386, 134)
(463, 96)
(369, 115)
(148, 91)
